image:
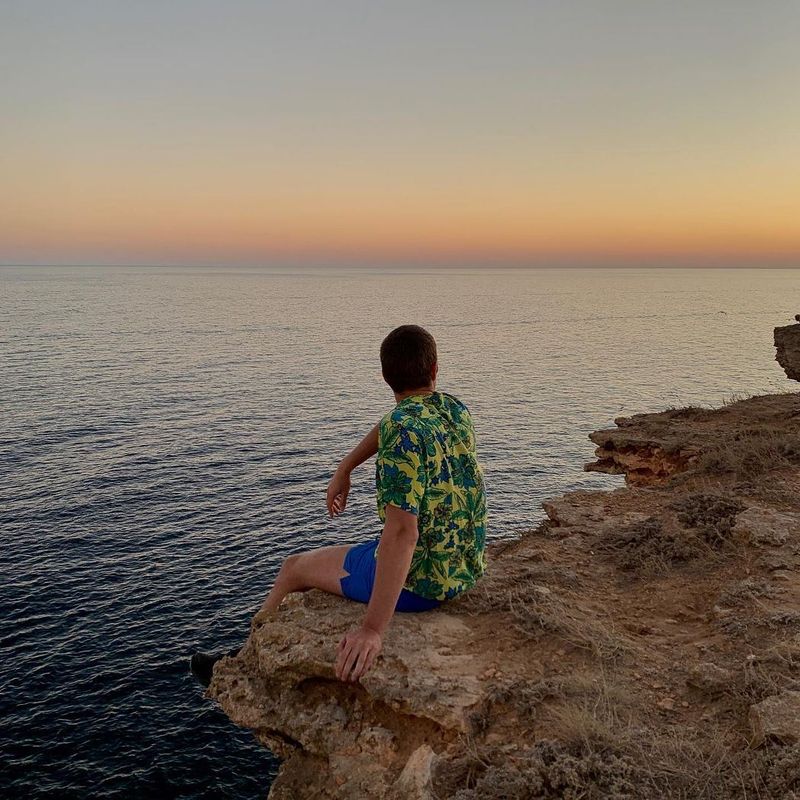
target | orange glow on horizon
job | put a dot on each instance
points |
(228, 213)
(386, 232)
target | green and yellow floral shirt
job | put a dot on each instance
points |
(427, 465)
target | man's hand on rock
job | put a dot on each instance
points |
(357, 652)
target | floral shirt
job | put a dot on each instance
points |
(427, 465)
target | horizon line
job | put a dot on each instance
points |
(605, 264)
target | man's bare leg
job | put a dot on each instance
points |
(316, 569)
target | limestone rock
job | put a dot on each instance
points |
(777, 717)
(709, 678)
(787, 345)
(767, 526)
(371, 734)
(775, 560)
(649, 448)
(414, 782)
(572, 511)
(643, 460)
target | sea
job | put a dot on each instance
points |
(167, 435)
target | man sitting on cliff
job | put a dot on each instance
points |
(431, 500)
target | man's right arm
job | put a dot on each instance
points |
(339, 487)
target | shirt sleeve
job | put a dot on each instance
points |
(400, 468)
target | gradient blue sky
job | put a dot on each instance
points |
(400, 132)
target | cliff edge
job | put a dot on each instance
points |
(787, 346)
(639, 643)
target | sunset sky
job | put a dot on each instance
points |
(408, 132)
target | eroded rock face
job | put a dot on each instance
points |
(650, 448)
(787, 344)
(372, 739)
(643, 461)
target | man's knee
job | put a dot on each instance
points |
(291, 564)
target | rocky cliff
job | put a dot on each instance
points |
(787, 345)
(649, 448)
(638, 643)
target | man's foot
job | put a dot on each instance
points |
(202, 665)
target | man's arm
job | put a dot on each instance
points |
(339, 486)
(359, 647)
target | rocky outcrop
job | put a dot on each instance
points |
(767, 526)
(650, 448)
(623, 617)
(646, 448)
(377, 738)
(709, 678)
(777, 717)
(787, 345)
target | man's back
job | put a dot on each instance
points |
(427, 465)
(430, 499)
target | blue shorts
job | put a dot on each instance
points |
(360, 562)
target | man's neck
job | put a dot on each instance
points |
(398, 396)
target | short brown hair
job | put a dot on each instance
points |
(408, 355)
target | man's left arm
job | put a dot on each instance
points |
(339, 486)
(358, 649)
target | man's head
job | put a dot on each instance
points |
(408, 358)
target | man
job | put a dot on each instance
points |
(430, 497)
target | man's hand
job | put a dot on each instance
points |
(359, 647)
(357, 652)
(338, 489)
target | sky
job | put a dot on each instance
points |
(447, 132)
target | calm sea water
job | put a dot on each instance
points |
(167, 436)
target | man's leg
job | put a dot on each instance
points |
(316, 569)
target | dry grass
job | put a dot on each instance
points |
(746, 591)
(736, 397)
(593, 732)
(529, 699)
(595, 716)
(750, 452)
(683, 768)
(595, 739)
(538, 610)
(546, 770)
(597, 762)
(758, 679)
(495, 592)
(601, 754)
(709, 516)
(648, 548)
(698, 525)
